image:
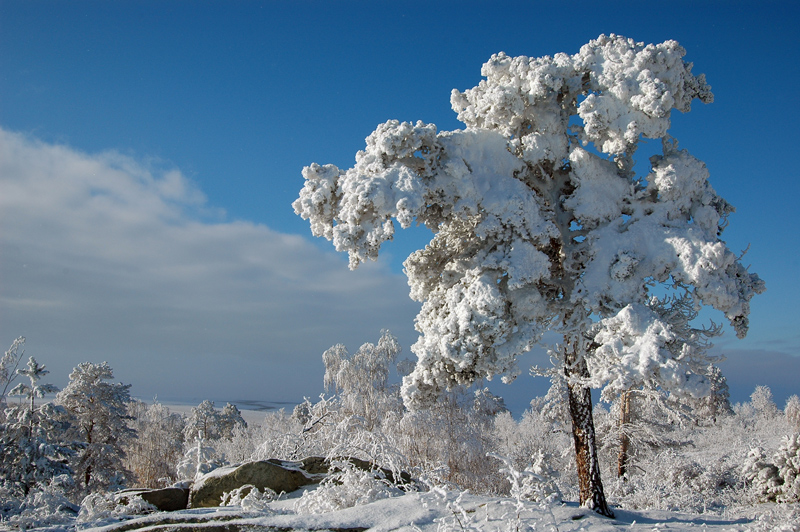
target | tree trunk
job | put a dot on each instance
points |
(624, 440)
(583, 435)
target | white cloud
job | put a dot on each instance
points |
(105, 258)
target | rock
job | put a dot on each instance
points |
(273, 474)
(166, 499)
(277, 475)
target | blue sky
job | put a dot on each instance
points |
(156, 148)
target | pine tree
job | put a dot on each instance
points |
(203, 423)
(540, 220)
(8, 370)
(98, 409)
(229, 419)
(31, 442)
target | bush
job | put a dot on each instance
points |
(348, 487)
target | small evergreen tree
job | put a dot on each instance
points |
(229, 419)
(30, 442)
(98, 409)
(8, 370)
(203, 423)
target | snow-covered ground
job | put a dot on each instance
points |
(431, 511)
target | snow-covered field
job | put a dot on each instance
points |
(432, 511)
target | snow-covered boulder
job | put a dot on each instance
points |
(279, 476)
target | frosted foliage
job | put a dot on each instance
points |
(779, 479)
(792, 412)
(639, 348)
(8, 369)
(98, 408)
(112, 506)
(532, 227)
(346, 488)
(763, 403)
(153, 454)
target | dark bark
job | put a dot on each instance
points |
(583, 435)
(624, 440)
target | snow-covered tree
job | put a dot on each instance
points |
(153, 455)
(198, 460)
(229, 419)
(8, 370)
(540, 218)
(99, 411)
(31, 391)
(203, 422)
(360, 380)
(778, 480)
(650, 353)
(31, 445)
(792, 412)
(717, 403)
(762, 401)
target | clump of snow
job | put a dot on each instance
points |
(249, 498)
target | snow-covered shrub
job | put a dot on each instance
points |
(787, 460)
(452, 437)
(45, 504)
(240, 446)
(34, 446)
(249, 498)
(537, 440)
(779, 479)
(677, 481)
(8, 370)
(761, 474)
(779, 518)
(360, 381)
(283, 437)
(528, 485)
(459, 518)
(112, 506)
(348, 487)
(199, 459)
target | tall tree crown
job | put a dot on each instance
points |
(539, 218)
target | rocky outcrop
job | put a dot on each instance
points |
(165, 500)
(276, 475)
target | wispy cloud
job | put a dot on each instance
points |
(106, 257)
